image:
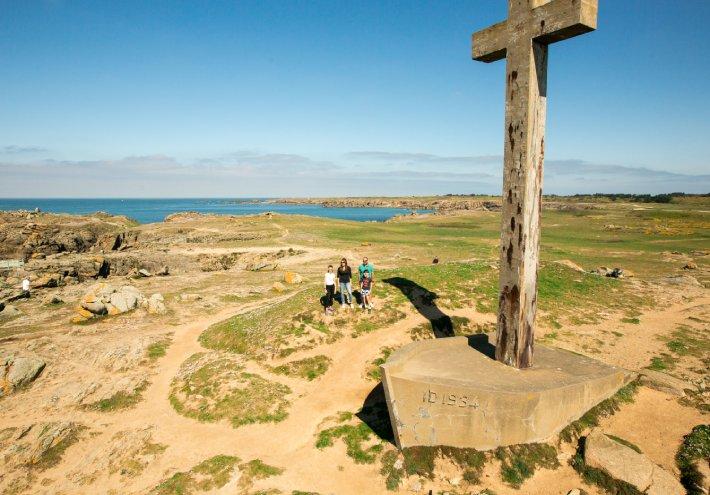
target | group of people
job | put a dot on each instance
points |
(343, 276)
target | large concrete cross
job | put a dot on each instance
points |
(523, 39)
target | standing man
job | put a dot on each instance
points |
(366, 267)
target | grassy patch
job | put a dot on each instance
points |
(687, 343)
(626, 443)
(156, 350)
(356, 438)
(599, 477)
(421, 461)
(308, 368)
(373, 370)
(211, 388)
(256, 469)
(694, 449)
(119, 401)
(210, 474)
(633, 321)
(519, 462)
(608, 407)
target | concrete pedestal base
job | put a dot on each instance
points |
(446, 392)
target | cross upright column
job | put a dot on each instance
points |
(523, 39)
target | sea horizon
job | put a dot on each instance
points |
(152, 210)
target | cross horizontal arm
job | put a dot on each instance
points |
(562, 19)
(489, 45)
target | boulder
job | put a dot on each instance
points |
(163, 271)
(47, 280)
(103, 299)
(144, 273)
(10, 311)
(278, 287)
(292, 278)
(665, 383)
(156, 305)
(625, 464)
(690, 266)
(18, 371)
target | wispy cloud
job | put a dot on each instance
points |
(249, 173)
(14, 149)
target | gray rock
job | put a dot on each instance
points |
(18, 371)
(96, 307)
(625, 464)
(664, 383)
(144, 273)
(156, 306)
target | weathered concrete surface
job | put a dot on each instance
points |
(445, 392)
(523, 40)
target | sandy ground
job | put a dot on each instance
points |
(656, 422)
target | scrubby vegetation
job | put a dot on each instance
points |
(591, 418)
(210, 474)
(599, 477)
(519, 462)
(309, 368)
(213, 387)
(694, 449)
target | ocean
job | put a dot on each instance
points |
(155, 210)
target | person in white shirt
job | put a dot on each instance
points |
(26, 287)
(329, 280)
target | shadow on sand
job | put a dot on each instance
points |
(374, 409)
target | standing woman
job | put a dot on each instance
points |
(329, 289)
(345, 274)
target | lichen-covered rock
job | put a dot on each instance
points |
(156, 305)
(18, 371)
(103, 299)
(292, 278)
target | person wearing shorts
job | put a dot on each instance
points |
(365, 289)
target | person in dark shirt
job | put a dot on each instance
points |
(365, 289)
(345, 275)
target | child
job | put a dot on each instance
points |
(329, 289)
(365, 288)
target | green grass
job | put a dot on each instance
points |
(373, 370)
(256, 469)
(156, 350)
(309, 368)
(519, 462)
(599, 477)
(625, 443)
(208, 475)
(355, 438)
(684, 343)
(119, 401)
(608, 407)
(215, 388)
(421, 461)
(694, 450)
(633, 321)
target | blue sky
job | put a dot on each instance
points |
(273, 98)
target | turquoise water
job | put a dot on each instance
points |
(155, 210)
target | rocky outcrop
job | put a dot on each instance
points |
(18, 372)
(625, 464)
(103, 299)
(28, 235)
